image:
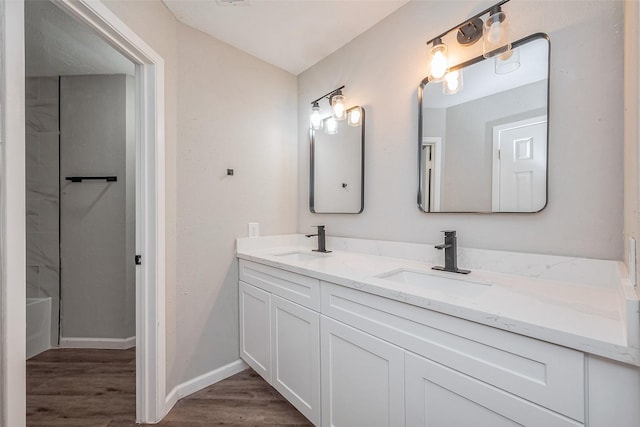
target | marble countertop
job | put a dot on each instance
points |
(587, 305)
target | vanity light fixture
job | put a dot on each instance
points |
(496, 33)
(452, 82)
(439, 60)
(338, 109)
(315, 119)
(354, 116)
(337, 105)
(331, 127)
(507, 62)
(470, 32)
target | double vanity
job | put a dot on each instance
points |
(370, 335)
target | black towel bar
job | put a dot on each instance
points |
(82, 178)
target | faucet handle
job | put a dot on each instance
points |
(449, 233)
(320, 227)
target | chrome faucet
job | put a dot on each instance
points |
(450, 247)
(321, 239)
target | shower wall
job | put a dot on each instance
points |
(97, 139)
(81, 236)
(42, 198)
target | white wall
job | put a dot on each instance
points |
(234, 112)
(382, 69)
(224, 109)
(631, 121)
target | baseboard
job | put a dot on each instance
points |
(203, 381)
(101, 343)
(210, 378)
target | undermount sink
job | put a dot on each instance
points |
(462, 285)
(301, 256)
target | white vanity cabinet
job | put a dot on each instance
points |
(279, 338)
(464, 371)
(255, 329)
(362, 378)
(437, 395)
(349, 358)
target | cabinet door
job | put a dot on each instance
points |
(255, 337)
(362, 378)
(295, 344)
(438, 396)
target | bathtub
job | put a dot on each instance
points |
(38, 325)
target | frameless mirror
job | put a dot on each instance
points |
(337, 166)
(484, 148)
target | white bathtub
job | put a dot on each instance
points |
(38, 325)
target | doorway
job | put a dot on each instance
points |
(80, 185)
(149, 301)
(520, 166)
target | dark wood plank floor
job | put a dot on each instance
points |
(96, 388)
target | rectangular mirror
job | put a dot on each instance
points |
(484, 148)
(337, 166)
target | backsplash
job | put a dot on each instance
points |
(581, 271)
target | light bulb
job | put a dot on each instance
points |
(315, 119)
(439, 61)
(331, 127)
(452, 82)
(337, 104)
(355, 117)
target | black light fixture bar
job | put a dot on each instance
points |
(94, 178)
(328, 94)
(478, 15)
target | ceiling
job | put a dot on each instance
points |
(290, 34)
(58, 45)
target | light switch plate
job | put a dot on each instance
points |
(254, 229)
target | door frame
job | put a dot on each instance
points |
(436, 143)
(151, 403)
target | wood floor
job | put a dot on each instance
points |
(96, 388)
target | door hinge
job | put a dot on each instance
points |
(138, 259)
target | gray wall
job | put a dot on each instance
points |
(469, 161)
(42, 135)
(97, 273)
(382, 69)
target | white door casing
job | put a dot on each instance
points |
(432, 159)
(520, 166)
(151, 403)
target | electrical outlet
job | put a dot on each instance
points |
(254, 229)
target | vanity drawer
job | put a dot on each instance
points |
(543, 373)
(300, 289)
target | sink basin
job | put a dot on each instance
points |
(301, 256)
(449, 285)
